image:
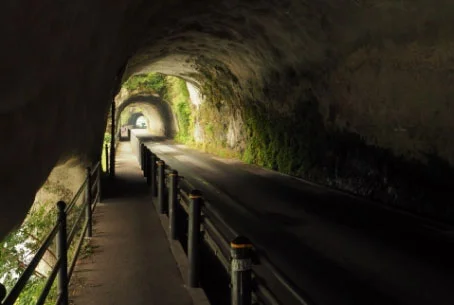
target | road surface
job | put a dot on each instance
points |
(337, 248)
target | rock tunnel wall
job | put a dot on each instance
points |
(383, 150)
(358, 92)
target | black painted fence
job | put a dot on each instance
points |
(63, 239)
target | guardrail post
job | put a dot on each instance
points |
(194, 237)
(112, 141)
(98, 173)
(153, 174)
(89, 198)
(173, 193)
(2, 293)
(141, 155)
(241, 274)
(62, 253)
(161, 185)
(148, 167)
(107, 158)
(145, 162)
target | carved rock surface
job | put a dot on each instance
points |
(379, 68)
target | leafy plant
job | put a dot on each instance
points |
(151, 82)
(19, 247)
(107, 138)
(177, 94)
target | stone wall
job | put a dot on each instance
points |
(319, 76)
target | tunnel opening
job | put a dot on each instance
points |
(302, 140)
(139, 109)
(253, 62)
(141, 122)
(140, 115)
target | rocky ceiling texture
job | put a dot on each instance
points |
(362, 72)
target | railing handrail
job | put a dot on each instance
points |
(284, 281)
(28, 272)
(49, 283)
(210, 212)
(12, 296)
(82, 187)
(76, 197)
(95, 168)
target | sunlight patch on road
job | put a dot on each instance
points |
(227, 161)
(198, 163)
(164, 148)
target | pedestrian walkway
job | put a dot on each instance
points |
(132, 263)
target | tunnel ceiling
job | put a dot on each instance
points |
(367, 63)
(379, 69)
(240, 39)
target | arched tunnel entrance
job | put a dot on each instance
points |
(137, 120)
(364, 107)
(157, 113)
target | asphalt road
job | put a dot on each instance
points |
(335, 247)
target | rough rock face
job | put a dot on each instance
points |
(377, 71)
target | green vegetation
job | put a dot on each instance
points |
(177, 94)
(151, 82)
(303, 146)
(20, 245)
(219, 88)
(16, 249)
(107, 139)
(289, 145)
(214, 122)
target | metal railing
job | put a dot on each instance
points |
(92, 188)
(192, 220)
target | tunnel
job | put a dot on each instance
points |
(353, 95)
(134, 119)
(159, 116)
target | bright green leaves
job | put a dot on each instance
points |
(152, 82)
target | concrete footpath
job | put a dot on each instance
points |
(132, 261)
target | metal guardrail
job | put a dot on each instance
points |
(60, 270)
(177, 198)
